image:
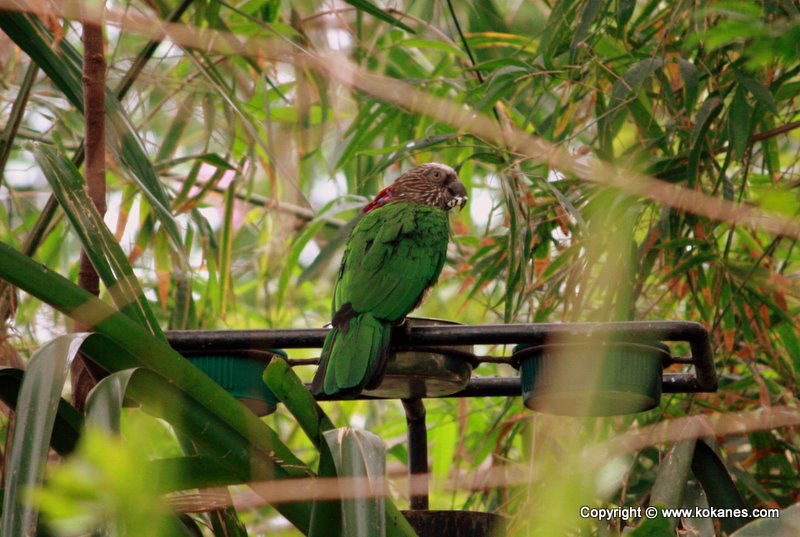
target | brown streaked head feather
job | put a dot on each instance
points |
(429, 184)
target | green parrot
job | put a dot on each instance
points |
(394, 254)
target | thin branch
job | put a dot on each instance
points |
(761, 136)
(86, 374)
(777, 131)
(464, 41)
(270, 204)
(94, 75)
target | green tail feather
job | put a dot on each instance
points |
(353, 360)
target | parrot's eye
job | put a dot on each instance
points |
(436, 174)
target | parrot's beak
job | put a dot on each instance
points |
(459, 193)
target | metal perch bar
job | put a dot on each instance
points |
(703, 379)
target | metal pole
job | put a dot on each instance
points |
(417, 452)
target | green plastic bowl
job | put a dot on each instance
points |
(591, 379)
(240, 373)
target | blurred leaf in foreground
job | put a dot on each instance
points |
(106, 483)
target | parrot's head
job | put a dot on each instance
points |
(431, 184)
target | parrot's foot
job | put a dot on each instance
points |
(403, 325)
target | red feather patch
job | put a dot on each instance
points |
(384, 196)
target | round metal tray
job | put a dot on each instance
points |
(412, 374)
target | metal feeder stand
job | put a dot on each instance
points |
(702, 377)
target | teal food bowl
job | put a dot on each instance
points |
(592, 379)
(240, 374)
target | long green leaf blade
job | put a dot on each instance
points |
(106, 255)
(718, 485)
(360, 455)
(234, 429)
(105, 401)
(68, 423)
(36, 413)
(375, 11)
(288, 387)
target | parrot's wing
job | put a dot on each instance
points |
(392, 257)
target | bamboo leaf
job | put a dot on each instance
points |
(226, 248)
(739, 122)
(378, 13)
(632, 81)
(624, 12)
(233, 103)
(229, 437)
(363, 130)
(501, 83)
(15, 116)
(648, 125)
(176, 130)
(190, 472)
(762, 94)
(691, 83)
(289, 389)
(62, 65)
(327, 252)
(294, 255)
(557, 31)
(141, 348)
(705, 116)
(412, 147)
(588, 16)
(209, 158)
(620, 99)
(163, 272)
(326, 516)
(791, 342)
(771, 152)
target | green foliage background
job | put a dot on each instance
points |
(233, 211)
